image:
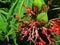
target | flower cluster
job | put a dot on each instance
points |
(55, 26)
(54, 29)
(31, 30)
(32, 27)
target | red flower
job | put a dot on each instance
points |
(52, 43)
(16, 16)
(41, 43)
(28, 10)
(56, 28)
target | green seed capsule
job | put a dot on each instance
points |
(42, 16)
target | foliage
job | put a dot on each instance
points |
(16, 12)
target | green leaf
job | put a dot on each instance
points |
(14, 37)
(47, 24)
(59, 15)
(29, 3)
(3, 23)
(57, 38)
(42, 16)
(1, 37)
(39, 3)
(19, 10)
(10, 13)
(3, 12)
(12, 25)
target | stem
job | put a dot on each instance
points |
(7, 38)
(35, 41)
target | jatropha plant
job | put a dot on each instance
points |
(38, 23)
(28, 21)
